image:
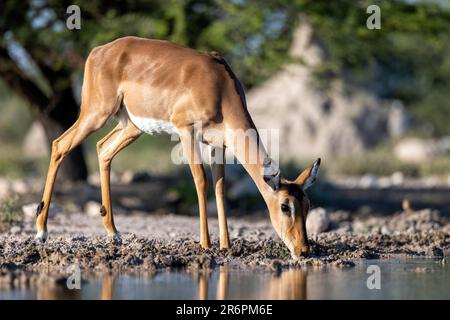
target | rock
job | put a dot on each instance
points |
(415, 150)
(385, 230)
(15, 229)
(87, 193)
(343, 263)
(275, 265)
(399, 120)
(344, 227)
(359, 227)
(94, 179)
(397, 178)
(422, 270)
(131, 176)
(435, 252)
(131, 202)
(19, 186)
(35, 144)
(92, 208)
(29, 211)
(384, 182)
(5, 188)
(317, 221)
(431, 182)
(368, 181)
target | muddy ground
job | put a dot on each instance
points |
(156, 242)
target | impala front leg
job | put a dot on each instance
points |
(191, 152)
(80, 130)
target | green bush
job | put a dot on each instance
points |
(10, 214)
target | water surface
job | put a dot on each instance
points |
(399, 279)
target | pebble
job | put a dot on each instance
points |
(317, 221)
(29, 211)
(15, 229)
(436, 252)
(92, 208)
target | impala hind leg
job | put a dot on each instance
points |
(191, 150)
(61, 146)
(107, 148)
(218, 175)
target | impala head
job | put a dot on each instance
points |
(288, 206)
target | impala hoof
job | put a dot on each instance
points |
(205, 244)
(115, 238)
(304, 252)
(41, 236)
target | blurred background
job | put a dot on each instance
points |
(374, 104)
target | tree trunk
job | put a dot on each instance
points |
(56, 113)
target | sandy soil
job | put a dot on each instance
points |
(155, 242)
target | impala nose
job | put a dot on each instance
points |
(304, 251)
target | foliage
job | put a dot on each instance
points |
(10, 214)
(393, 62)
(407, 59)
(254, 38)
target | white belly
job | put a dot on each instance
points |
(152, 126)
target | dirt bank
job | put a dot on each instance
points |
(155, 242)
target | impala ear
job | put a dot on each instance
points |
(307, 178)
(271, 174)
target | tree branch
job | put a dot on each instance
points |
(20, 83)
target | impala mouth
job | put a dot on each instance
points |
(304, 252)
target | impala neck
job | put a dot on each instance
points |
(253, 156)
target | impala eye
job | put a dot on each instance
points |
(285, 208)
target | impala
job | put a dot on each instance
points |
(156, 86)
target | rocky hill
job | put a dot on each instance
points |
(340, 121)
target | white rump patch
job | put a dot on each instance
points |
(152, 126)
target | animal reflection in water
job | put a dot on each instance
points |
(287, 285)
(59, 290)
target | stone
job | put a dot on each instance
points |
(397, 178)
(399, 120)
(131, 176)
(5, 188)
(368, 181)
(415, 150)
(275, 265)
(19, 186)
(92, 208)
(435, 252)
(317, 221)
(384, 182)
(35, 144)
(29, 211)
(15, 229)
(385, 230)
(94, 179)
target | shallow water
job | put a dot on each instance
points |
(399, 279)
